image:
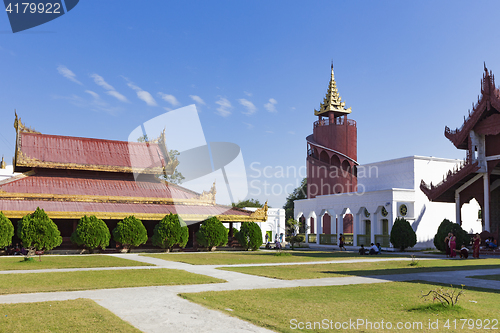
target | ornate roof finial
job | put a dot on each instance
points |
(2, 164)
(332, 101)
(485, 69)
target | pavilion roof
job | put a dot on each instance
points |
(487, 106)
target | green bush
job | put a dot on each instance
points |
(92, 233)
(250, 236)
(212, 233)
(38, 232)
(402, 234)
(130, 233)
(170, 231)
(446, 227)
(296, 240)
(6, 231)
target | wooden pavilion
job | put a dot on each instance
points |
(70, 177)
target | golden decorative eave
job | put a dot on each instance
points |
(332, 101)
(122, 215)
(208, 196)
(260, 214)
(30, 162)
(20, 127)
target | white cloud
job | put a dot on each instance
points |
(224, 108)
(270, 106)
(249, 126)
(251, 109)
(117, 95)
(270, 132)
(64, 71)
(99, 80)
(169, 98)
(93, 94)
(142, 94)
(249, 94)
(197, 99)
(291, 132)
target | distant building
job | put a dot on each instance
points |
(274, 226)
(362, 202)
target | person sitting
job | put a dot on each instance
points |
(379, 248)
(373, 249)
(277, 245)
(490, 243)
(362, 250)
(464, 252)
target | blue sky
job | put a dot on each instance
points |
(256, 70)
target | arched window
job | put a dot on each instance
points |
(323, 157)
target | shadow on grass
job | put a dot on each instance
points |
(410, 269)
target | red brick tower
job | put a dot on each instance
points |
(332, 148)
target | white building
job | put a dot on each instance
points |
(273, 227)
(386, 190)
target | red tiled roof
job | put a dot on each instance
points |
(95, 183)
(42, 150)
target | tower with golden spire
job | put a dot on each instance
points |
(332, 148)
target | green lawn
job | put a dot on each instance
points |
(283, 309)
(495, 277)
(78, 261)
(290, 272)
(85, 280)
(80, 315)
(259, 257)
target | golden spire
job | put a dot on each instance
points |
(333, 101)
(2, 164)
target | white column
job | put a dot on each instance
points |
(308, 226)
(355, 227)
(373, 227)
(458, 216)
(319, 228)
(341, 225)
(486, 210)
(333, 224)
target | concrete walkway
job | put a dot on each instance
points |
(159, 309)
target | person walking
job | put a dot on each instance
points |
(475, 246)
(453, 245)
(447, 245)
(341, 242)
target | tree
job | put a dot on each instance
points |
(297, 194)
(92, 233)
(212, 233)
(176, 177)
(248, 203)
(38, 232)
(170, 231)
(130, 233)
(249, 236)
(292, 225)
(6, 231)
(446, 227)
(402, 234)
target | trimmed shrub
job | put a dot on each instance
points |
(170, 231)
(446, 227)
(296, 240)
(38, 232)
(212, 233)
(6, 231)
(402, 234)
(250, 236)
(92, 233)
(130, 233)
